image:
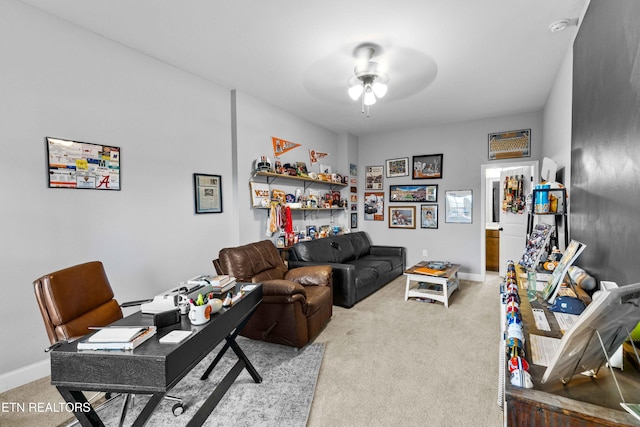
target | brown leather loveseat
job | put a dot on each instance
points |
(297, 303)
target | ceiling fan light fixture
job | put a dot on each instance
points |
(379, 89)
(355, 91)
(369, 97)
(368, 80)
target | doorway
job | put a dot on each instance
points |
(513, 227)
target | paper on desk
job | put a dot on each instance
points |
(565, 321)
(543, 349)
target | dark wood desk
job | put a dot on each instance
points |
(154, 368)
(583, 401)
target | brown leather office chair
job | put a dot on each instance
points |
(296, 303)
(76, 298)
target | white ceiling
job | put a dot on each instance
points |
(491, 57)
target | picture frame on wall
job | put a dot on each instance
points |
(208, 193)
(354, 220)
(402, 217)
(82, 165)
(512, 144)
(373, 177)
(397, 167)
(428, 166)
(374, 206)
(413, 193)
(459, 206)
(429, 216)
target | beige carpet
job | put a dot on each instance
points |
(387, 362)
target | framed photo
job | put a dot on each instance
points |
(510, 145)
(354, 220)
(82, 165)
(374, 206)
(402, 217)
(373, 178)
(429, 216)
(413, 193)
(208, 193)
(398, 167)
(353, 169)
(459, 206)
(353, 189)
(427, 166)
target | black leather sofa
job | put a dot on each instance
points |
(359, 268)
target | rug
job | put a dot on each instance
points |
(284, 397)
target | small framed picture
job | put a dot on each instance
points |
(325, 168)
(402, 217)
(427, 166)
(429, 216)
(354, 220)
(459, 206)
(208, 193)
(398, 167)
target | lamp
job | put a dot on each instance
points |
(368, 82)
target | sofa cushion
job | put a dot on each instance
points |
(361, 243)
(382, 266)
(365, 276)
(343, 248)
(314, 251)
(395, 261)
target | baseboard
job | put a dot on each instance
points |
(471, 277)
(24, 375)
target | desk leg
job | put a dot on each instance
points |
(148, 409)
(209, 405)
(78, 400)
(238, 351)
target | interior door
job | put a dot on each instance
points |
(513, 226)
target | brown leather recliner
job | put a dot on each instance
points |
(297, 303)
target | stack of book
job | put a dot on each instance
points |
(117, 338)
(219, 284)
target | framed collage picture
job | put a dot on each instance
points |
(397, 167)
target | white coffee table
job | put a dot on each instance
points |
(438, 288)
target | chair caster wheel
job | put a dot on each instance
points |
(177, 409)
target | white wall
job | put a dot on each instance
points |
(257, 122)
(465, 149)
(557, 119)
(59, 80)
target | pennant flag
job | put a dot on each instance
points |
(281, 146)
(314, 156)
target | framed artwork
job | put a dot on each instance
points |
(353, 189)
(398, 167)
(402, 217)
(353, 169)
(429, 216)
(427, 167)
(354, 220)
(208, 193)
(459, 206)
(413, 193)
(374, 206)
(510, 145)
(82, 165)
(373, 177)
(354, 207)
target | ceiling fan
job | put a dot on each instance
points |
(368, 81)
